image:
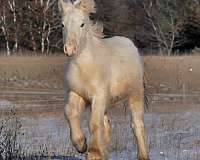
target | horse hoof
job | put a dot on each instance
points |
(145, 158)
(92, 156)
(95, 154)
(83, 147)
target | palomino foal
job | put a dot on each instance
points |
(101, 70)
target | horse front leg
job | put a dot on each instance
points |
(136, 104)
(97, 148)
(73, 110)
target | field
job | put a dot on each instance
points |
(35, 87)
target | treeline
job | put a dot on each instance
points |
(165, 26)
(158, 26)
(29, 24)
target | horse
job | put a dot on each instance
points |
(100, 72)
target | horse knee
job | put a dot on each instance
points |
(138, 120)
(70, 112)
(137, 108)
(94, 128)
(77, 137)
(75, 106)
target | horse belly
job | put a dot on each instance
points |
(125, 81)
(121, 88)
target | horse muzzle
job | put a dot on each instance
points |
(70, 50)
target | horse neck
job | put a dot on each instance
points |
(91, 42)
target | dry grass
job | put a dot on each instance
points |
(173, 74)
(166, 74)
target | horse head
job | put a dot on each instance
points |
(75, 23)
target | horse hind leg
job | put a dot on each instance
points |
(136, 104)
(73, 110)
(107, 129)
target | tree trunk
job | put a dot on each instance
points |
(5, 31)
(7, 48)
(43, 37)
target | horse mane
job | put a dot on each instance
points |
(97, 29)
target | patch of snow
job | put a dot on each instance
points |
(5, 104)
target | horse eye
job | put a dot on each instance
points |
(63, 25)
(82, 25)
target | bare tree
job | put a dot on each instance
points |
(152, 24)
(47, 23)
(12, 6)
(43, 20)
(165, 26)
(4, 27)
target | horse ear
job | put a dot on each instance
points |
(64, 6)
(87, 6)
(98, 29)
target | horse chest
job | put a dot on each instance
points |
(83, 81)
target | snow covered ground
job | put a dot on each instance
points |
(173, 132)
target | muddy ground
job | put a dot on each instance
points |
(34, 86)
